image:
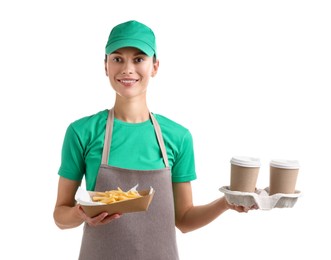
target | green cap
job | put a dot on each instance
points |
(132, 34)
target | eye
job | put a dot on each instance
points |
(138, 60)
(117, 59)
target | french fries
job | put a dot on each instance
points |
(112, 196)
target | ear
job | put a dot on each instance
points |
(155, 68)
(106, 71)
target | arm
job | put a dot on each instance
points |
(190, 217)
(68, 214)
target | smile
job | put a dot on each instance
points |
(128, 81)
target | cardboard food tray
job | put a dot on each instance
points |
(261, 198)
(125, 206)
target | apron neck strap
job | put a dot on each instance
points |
(108, 137)
(159, 136)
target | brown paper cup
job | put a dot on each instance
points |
(244, 173)
(283, 176)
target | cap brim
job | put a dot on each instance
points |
(145, 48)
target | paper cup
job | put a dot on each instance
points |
(244, 173)
(283, 176)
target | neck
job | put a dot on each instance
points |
(131, 112)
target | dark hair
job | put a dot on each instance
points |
(154, 58)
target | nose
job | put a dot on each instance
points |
(128, 68)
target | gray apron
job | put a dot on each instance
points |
(147, 235)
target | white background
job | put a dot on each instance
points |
(246, 77)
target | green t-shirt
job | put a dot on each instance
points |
(134, 146)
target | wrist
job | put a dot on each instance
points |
(225, 203)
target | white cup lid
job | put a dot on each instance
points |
(245, 161)
(285, 164)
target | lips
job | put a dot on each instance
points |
(127, 82)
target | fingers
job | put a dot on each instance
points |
(97, 220)
(101, 219)
(110, 218)
(243, 209)
(240, 209)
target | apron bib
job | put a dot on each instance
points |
(148, 235)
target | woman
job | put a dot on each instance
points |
(126, 145)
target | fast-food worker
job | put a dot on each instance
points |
(128, 145)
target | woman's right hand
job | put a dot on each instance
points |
(101, 219)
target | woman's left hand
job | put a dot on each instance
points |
(240, 208)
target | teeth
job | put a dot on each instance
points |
(128, 81)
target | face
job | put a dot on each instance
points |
(129, 71)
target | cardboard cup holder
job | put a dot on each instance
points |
(260, 198)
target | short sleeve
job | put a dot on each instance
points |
(72, 156)
(183, 169)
